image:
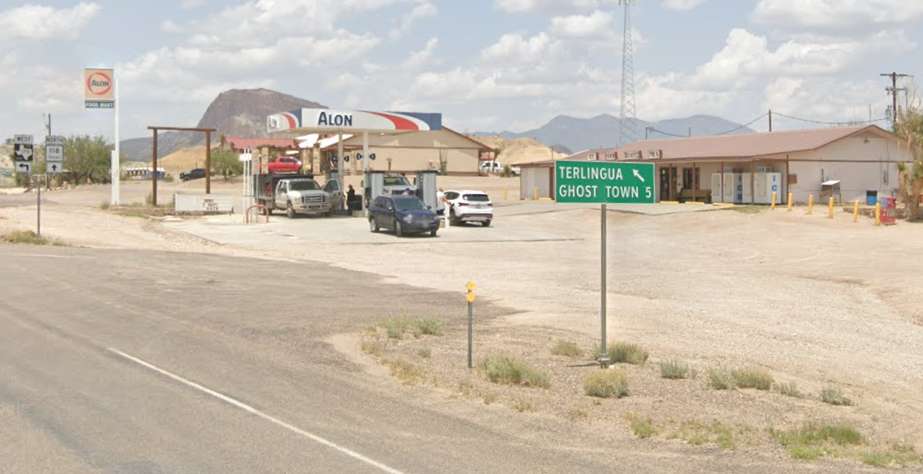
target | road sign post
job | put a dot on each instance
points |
(101, 91)
(54, 154)
(604, 182)
(470, 297)
(23, 154)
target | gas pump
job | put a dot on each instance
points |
(374, 186)
(427, 189)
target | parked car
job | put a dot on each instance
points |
(469, 206)
(491, 167)
(402, 214)
(197, 173)
(285, 164)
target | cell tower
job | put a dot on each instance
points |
(628, 125)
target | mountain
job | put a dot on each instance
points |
(237, 112)
(602, 131)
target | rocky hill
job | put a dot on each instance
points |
(602, 131)
(239, 112)
(513, 151)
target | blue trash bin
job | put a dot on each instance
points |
(871, 198)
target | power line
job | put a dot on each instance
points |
(761, 117)
(824, 122)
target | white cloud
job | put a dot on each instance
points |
(190, 4)
(168, 26)
(520, 6)
(579, 26)
(422, 9)
(840, 14)
(746, 55)
(682, 4)
(514, 48)
(38, 22)
(420, 58)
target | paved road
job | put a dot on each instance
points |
(152, 362)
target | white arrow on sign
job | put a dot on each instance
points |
(638, 175)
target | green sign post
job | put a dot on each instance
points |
(604, 182)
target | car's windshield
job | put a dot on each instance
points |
(477, 197)
(408, 204)
(303, 185)
(396, 181)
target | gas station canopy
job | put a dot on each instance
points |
(352, 121)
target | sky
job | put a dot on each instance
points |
(487, 65)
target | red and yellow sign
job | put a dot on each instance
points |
(99, 88)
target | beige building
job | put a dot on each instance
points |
(443, 150)
(861, 160)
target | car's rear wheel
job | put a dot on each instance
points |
(373, 226)
(398, 228)
(486, 223)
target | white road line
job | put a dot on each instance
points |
(249, 409)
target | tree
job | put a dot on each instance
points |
(87, 159)
(910, 130)
(226, 163)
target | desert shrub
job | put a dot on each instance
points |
(566, 349)
(674, 370)
(511, 371)
(404, 371)
(642, 427)
(425, 353)
(720, 379)
(789, 390)
(814, 440)
(624, 353)
(833, 396)
(606, 384)
(752, 378)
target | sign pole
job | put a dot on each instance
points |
(116, 167)
(603, 228)
(38, 206)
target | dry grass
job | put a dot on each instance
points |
(698, 433)
(397, 328)
(675, 370)
(624, 353)
(374, 347)
(813, 441)
(522, 406)
(789, 390)
(566, 349)
(508, 370)
(606, 384)
(752, 378)
(27, 237)
(720, 379)
(407, 373)
(642, 427)
(425, 353)
(895, 456)
(834, 396)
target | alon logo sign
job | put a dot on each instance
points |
(333, 119)
(99, 88)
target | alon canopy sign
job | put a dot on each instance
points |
(601, 182)
(99, 88)
(353, 121)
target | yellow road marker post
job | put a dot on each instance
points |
(810, 204)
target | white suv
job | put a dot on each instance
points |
(469, 206)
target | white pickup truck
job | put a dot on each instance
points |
(297, 195)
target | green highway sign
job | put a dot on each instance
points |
(604, 182)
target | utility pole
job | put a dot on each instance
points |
(628, 126)
(894, 90)
(770, 120)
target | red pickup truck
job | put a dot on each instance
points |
(285, 164)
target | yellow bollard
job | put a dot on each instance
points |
(855, 211)
(791, 202)
(774, 201)
(535, 193)
(830, 208)
(877, 213)
(810, 204)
